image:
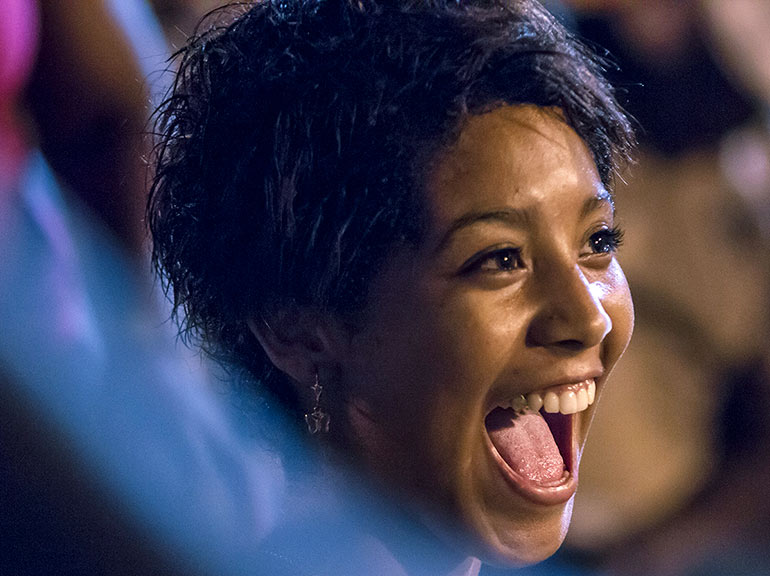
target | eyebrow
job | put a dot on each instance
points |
(601, 199)
(519, 218)
(509, 216)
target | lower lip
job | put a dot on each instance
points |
(552, 494)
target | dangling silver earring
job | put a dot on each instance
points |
(317, 420)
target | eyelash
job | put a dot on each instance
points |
(606, 241)
(503, 260)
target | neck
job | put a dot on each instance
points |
(416, 548)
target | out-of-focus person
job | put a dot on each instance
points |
(116, 454)
(88, 103)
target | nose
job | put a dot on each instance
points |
(571, 315)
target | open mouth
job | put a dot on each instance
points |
(534, 440)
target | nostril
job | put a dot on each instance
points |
(575, 329)
(571, 345)
(567, 344)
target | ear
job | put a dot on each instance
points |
(298, 341)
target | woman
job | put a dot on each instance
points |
(397, 218)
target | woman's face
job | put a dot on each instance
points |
(514, 292)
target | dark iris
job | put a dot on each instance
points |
(605, 241)
(506, 259)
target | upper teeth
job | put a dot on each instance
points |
(567, 400)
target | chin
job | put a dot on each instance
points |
(525, 543)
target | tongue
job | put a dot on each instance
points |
(526, 444)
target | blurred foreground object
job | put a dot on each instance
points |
(115, 452)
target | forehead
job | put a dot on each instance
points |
(513, 156)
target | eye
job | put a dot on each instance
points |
(606, 241)
(503, 260)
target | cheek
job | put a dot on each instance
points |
(423, 372)
(620, 307)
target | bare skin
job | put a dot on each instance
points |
(514, 289)
(90, 108)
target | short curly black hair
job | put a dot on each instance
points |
(296, 137)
